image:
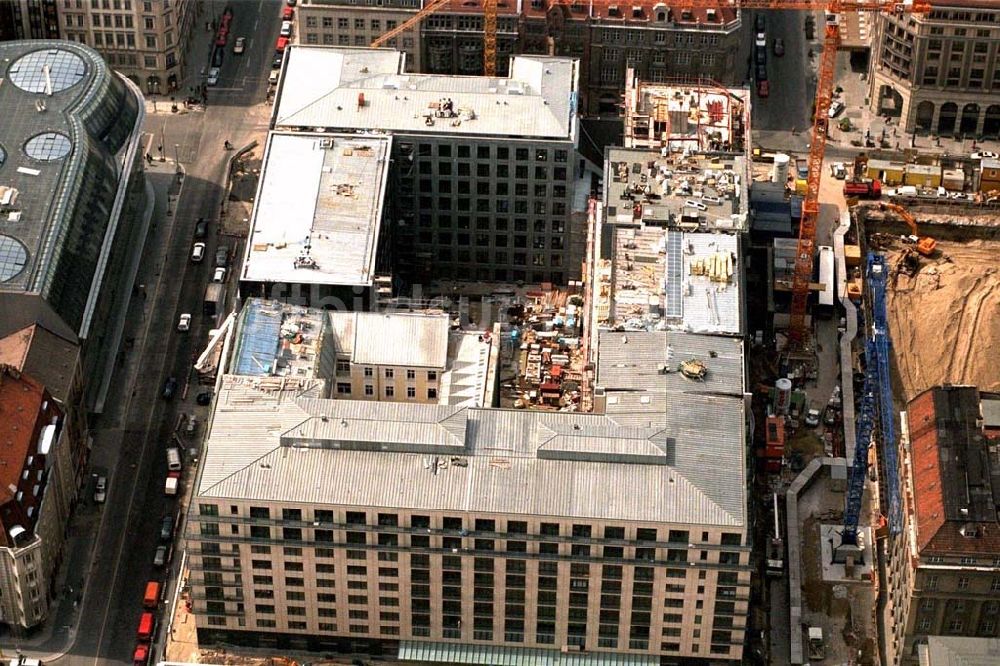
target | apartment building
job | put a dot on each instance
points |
(71, 189)
(939, 72)
(943, 572)
(28, 19)
(483, 169)
(355, 23)
(37, 491)
(146, 40)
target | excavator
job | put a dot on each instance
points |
(925, 245)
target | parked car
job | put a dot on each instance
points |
(290, 3)
(201, 228)
(213, 76)
(779, 46)
(287, 13)
(221, 256)
(760, 40)
(829, 416)
(101, 489)
(276, 62)
(198, 252)
(281, 44)
(835, 109)
(240, 45)
(286, 29)
(812, 418)
(272, 78)
(219, 275)
(204, 398)
(160, 558)
(759, 22)
(838, 170)
(167, 528)
(169, 388)
(184, 323)
(984, 155)
(217, 57)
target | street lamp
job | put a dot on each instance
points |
(177, 158)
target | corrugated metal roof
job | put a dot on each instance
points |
(502, 655)
(501, 472)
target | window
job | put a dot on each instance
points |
(343, 388)
(432, 394)
(390, 391)
(389, 373)
(963, 583)
(411, 392)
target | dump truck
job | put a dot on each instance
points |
(863, 189)
(817, 649)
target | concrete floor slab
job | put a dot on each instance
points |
(837, 572)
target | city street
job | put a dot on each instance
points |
(791, 76)
(114, 564)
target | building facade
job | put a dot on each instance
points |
(939, 72)
(28, 19)
(71, 170)
(483, 169)
(143, 39)
(354, 23)
(943, 570)
(38, 493)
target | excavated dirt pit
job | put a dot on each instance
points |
(944, 321)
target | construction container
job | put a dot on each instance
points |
(953, 179)
(889, 172)
(852, 255)
(989, 175)
(923, 175)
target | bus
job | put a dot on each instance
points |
(826, 300)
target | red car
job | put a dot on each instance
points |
(287, 14)
(282, 43)
(763, 89)
(141, 655)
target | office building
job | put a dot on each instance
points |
(37, 491)
(349, 23)
(484, 169)
(317, 232)
(943, 572)
(28, 19)
(72, 197)
(939, 72)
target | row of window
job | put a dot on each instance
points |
(388, 373)
(484, 223)
(486, 188)
(375, 25)
(481, 526)
(345, 388)
(463, 240)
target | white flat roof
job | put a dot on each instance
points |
(368, 89)
(321, 197)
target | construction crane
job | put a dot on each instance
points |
(925, 244)
(824, 88)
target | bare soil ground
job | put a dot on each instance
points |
(944, 320)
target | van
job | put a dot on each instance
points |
(174, 459)
(152, 597)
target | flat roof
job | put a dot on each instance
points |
(393, 338)
(368, 89)
(670, 189)
(278, 444)
(319, 207)
(667, 279)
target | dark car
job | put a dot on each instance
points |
(201, 228)
(217, 58)
(204, 398)
(759, 22)
(276, 63)
(169, 388)
(167, 528)
(221, 256)
(760, 55)
(761, 73)
(779, 47)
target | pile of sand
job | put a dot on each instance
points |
(944, 321)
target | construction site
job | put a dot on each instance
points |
(942, 303)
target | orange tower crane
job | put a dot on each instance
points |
(824, 95)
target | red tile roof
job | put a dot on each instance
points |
(953, 483)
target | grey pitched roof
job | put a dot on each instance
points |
(503, 461)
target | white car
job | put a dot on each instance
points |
(838, 170)
(240, 45)
(835, 109)
(220, 275)
(198, 252)
(984, 155)
(213, 76)
(286, 28)
(760, 40)
(184, 323)
(812, 418)
(101, 490)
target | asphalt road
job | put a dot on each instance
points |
(130, 438)
(791, 76)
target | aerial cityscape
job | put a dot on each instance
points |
(478, 332)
